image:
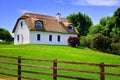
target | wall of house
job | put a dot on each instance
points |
(23, 32)
(44, 38)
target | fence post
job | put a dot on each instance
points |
(102, 75)
(19, 68)
(54, 69)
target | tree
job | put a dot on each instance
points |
(5, 35)
(103, 21)
(96, 29)
(107, 23)
(105, 35)
(116, 17)
(81, 21)
(113, 32)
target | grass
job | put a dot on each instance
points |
(61, 53)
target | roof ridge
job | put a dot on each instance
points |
(39, 16)
(28, 13)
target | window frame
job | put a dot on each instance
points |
(18, 37)
(21, 23)
(70, 27)
(50, 38)
(58, 38)
(38, 37)
(38, 24)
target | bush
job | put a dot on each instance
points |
(100, 42)
(116, 38)
(88, 40)
(73, 41)
(83, 41)
(115, 48)
(6, 43)
(5, 35)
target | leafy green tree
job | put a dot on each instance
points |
(103, 21)
(81, 21)
(108, 28)
(116, 17)
(115, 44)
(114, 31)
(96, 29)
(5, 35)
(105, 36)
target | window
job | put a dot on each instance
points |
(18, 38)
(58, 38)
(21, 23)
(70, 27)
(50, 37)
(38, 24)
(38, 37)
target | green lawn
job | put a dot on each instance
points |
(65, 53)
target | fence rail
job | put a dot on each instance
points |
(55, 68)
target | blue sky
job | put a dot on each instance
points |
(10, 10)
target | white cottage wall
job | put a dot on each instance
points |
(23, 32)
(44, 38)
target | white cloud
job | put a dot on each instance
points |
(96, 2)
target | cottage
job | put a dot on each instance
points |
(33, 28)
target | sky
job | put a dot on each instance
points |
(11, 10)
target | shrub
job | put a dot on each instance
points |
(115, 48)
(116, 38)
(100, 42)
(73, 41)
(83, 41)
(88, 40)
(5, 35)
(6, 43)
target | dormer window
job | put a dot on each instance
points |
(70, 27)
(38, 24)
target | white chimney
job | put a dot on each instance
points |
(58, 17)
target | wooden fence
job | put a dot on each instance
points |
(55, 68)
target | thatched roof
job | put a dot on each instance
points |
(50, 23)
